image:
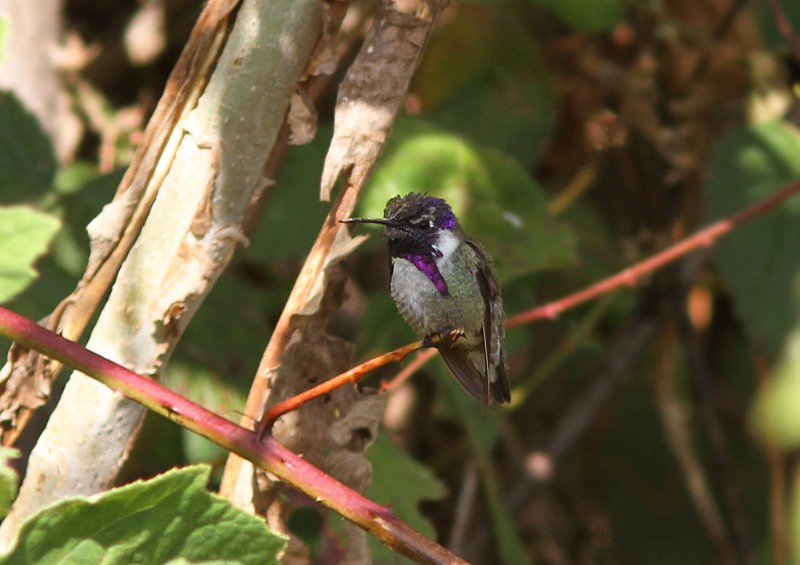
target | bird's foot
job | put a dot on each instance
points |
(447, 337)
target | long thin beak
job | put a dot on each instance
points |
(381, 221)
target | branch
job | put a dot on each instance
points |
(628, 277)
(632, 275)
(216, 141)
(785, 27)
(731, 498)
(267, 454)
(369, 98)
(277, 410)
(678, 435)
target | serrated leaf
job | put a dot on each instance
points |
(494, 199)
(169, 517)
(401, 482)
(759, 259)
(27, 161)
(9, 481)
(24, 235)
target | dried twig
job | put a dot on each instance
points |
(785, 27)
(731, 499)
(679, 440)
(627, 347)
(229, 119)
(369, 98)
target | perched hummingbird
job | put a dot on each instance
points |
(444, 284)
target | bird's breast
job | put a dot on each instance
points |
(425, 308)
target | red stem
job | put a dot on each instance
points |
(630, 276)
(276, 459)
(277, 410)
(266, 453)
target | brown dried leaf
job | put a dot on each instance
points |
(373, 91)
(334, 432)
(325, 59)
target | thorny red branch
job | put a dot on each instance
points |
(628, 277)
(293, 403)
(266, 452)
(632, 275)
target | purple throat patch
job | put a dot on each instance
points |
(427, 265)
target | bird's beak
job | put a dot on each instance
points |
(381, 221)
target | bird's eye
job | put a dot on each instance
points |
(426, 225)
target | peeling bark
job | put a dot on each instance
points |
(175, 221)
(369, 100)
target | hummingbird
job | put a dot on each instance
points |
(445, 286)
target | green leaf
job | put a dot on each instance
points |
(4, 21)
(759, 259)
(227, 334)
(483, 76)
(209, 389)
(482, 426)
(293, 213)
(382, 327)
(507, 112)
(27, 161)
(77, 176)
(170, 517)
(776, 414)
(24, 236)
(495, 200)
(596, 16)
(78, 198)
(512, 548)
(9, 481)
(401, 482)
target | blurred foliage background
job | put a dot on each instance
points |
(658, 424)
